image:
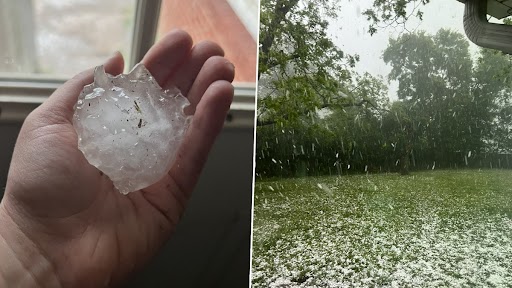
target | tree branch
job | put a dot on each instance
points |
(282, 8)
(260, 123)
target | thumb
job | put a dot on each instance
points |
(60, 104)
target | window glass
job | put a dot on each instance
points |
(232, 24)
(58, 39)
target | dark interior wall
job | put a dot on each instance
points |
(8, 134)
(211, 247)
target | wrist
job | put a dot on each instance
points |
(22, 264)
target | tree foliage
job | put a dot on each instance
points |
(451, 112)
(300, 68)
(316, 115)
(434, 74)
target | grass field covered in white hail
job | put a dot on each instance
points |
(429, 229)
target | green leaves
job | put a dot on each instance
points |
(393, 13)
(300, 69)
(457, 106)
(299, 59)
(312, 100)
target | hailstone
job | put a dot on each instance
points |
(129, 128)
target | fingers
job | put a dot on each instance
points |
(201, 52)
(164, 58)
(173, 62)
(206, 125)
(214, 69)
(62, 101)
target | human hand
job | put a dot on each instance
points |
(62, 221)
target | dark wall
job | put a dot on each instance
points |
(211, 245)
(8, 135)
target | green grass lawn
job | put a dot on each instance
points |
(429, 229)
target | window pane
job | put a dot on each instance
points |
(232, 24)
(61, 38)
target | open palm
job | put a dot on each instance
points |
(90, 234)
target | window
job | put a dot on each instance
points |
(45, 42)
(56, 39)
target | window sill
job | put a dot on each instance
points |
(19, 98)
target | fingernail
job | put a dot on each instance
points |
(113, 55)
(232, 67)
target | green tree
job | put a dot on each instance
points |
(434, 73)
(402, 137)
(300, 68)
(491, 93)
(357, 127)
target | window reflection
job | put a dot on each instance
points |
(230, 25)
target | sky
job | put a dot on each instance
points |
(349, 32)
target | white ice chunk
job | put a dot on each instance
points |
(129, 128)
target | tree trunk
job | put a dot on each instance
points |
(404, 164)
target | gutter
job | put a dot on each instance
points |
(483, 33)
